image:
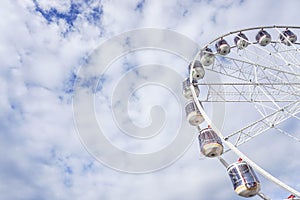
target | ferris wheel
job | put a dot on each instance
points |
(259, 78)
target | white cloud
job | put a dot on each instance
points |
(61, 6)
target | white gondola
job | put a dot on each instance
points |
(193, 115)
(210, 143)
(287, 37)
(198, 71)
(207, 57)
(241, 41)
(186, 89)
(243, 178)
(222, 47)
(263, 38)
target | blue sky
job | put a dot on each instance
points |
(43, 44)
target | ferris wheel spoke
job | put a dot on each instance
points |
(290, 65)
(264, 124)
(244, 138)
(263, 196)
(269, 96)
(236, 71)
(264, 107)
(262, 60)
(249, 92)
(285, 53)
(264, 68)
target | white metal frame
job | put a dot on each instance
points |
(268, 79)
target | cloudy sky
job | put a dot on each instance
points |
(43, 43)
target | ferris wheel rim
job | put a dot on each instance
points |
(218, 132)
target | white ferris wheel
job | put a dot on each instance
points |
(259, 79)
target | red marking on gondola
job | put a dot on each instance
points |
(291, 196)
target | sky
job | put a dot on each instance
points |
(43, 45)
